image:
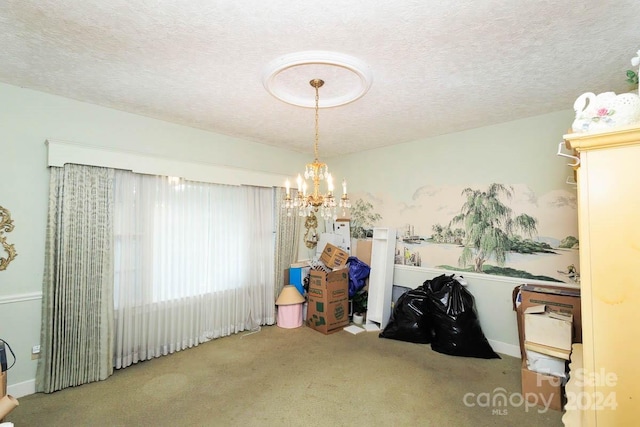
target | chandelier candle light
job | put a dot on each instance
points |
(307, 204)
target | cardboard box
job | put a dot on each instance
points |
(3, 384)
(362, 249)
(541, 389)
(333, 257)
(3, 388)
(547, 327)
(558, 298)
(328, 300)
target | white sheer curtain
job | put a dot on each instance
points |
(193, 262)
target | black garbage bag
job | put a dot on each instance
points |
(408, 320)
(358, 273)
(456, 329)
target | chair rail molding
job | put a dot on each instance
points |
(14, 298)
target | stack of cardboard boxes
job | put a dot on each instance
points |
(328, 295)
(549, 322)
(327, 306)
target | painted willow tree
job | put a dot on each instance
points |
(362, 219)
(489, 225)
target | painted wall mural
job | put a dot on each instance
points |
(495, 228)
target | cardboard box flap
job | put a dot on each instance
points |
(301, 264)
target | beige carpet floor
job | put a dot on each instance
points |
(295, 377)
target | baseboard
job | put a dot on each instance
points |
(504, 348)
(22, 389)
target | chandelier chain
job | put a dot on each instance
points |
(315, 146)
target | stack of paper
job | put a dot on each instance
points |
(353, 329)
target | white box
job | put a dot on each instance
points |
(546, 364)
(548, 328)
(334, 239)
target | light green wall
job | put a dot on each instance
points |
(521, 151)
(27, 119)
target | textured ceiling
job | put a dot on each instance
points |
(437, 67)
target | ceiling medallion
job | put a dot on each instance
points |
(350, 78)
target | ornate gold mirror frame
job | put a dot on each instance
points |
(6, 225)
(311, 236)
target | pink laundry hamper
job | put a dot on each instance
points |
(290, 304)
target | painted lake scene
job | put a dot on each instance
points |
(496, 229)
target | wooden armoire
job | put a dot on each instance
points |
(606, 391)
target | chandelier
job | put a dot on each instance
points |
(307, 203)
